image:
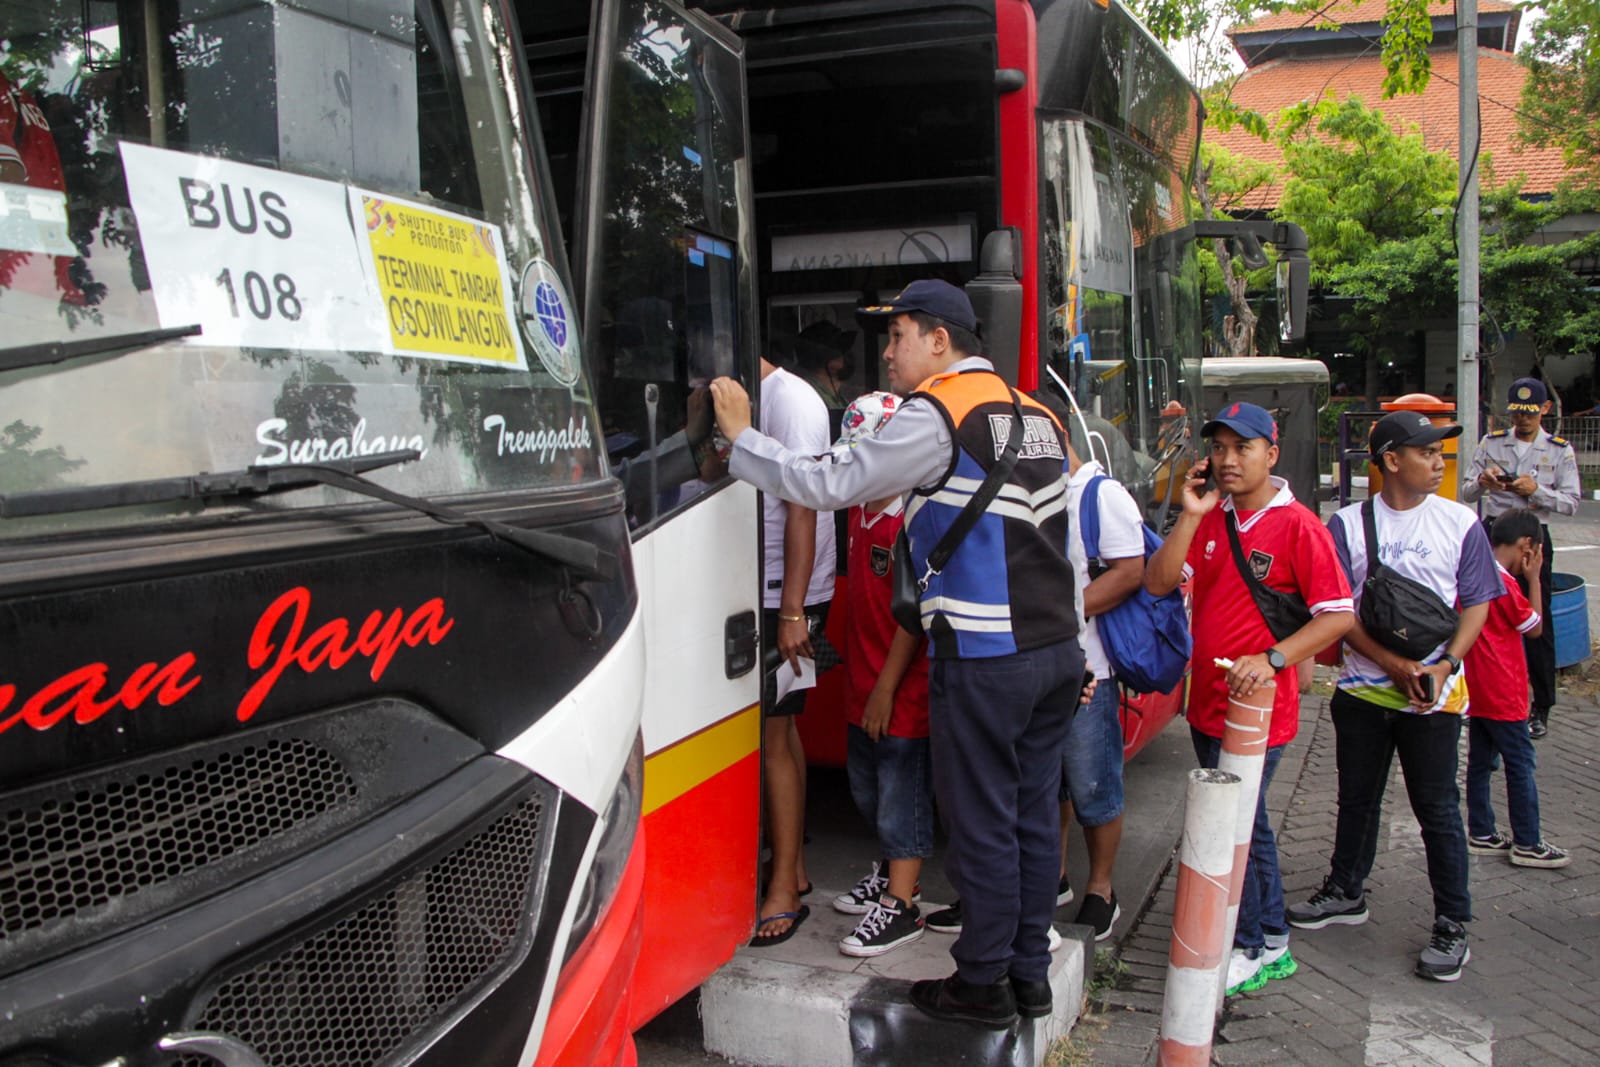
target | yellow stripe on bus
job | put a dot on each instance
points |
(684, 764)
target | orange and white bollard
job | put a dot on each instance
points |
(1244, 753)
(1205, 861)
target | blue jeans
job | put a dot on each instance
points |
(1261, 896)
(1091, 765)
(1485, 737)
(999, 725)
(1367, 738)
(892, 784)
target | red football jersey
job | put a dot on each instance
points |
(26, 143)
(1497, 668)
(869, 627)
(1288, 549)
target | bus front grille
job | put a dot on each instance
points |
(383, 977)
(66, 856)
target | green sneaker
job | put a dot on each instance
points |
(1245, 973)
(1278, 963)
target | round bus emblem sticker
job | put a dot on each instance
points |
(546, 316)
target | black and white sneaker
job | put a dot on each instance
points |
(1493, 845)
(1099, 914)
(863, 896)
(946, 921)
(891, 923)
(1063, 893)
(1327, 906)
(1447, 952)
(1544, 854)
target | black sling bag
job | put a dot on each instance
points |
(1402, 615)
(905, 597)
(1284, 613)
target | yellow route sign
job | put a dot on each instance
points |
(443, 281)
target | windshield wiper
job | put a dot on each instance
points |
(60, 351)
(264, 480)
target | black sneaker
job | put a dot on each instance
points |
(1327, 906)
(1538, 724)
(1099, 914)
(993, 1006)
(947, 921)
(863, 896)
(1033, 998)
(1447, 952)
(1493, 845)
(1544, 854)
(891, 923)
(1063, 893)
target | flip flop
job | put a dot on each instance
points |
(795, 917)
(806, 891)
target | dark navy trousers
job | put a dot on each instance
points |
(997, 727)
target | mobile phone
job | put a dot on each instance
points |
(1506, 479)
(1208, 480)
(1426, 682)
(1088, 679)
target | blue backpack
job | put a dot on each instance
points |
(1146, 637)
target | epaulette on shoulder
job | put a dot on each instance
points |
(1498, 433)
(1561, 441)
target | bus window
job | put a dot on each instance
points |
(1113, 289)
(665, 271)
(336, 209)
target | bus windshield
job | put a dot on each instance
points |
(252, 233)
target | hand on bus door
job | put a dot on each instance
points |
(733, 407)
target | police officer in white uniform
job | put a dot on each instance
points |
(1528, 467)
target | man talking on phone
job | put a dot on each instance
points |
(1528, 467)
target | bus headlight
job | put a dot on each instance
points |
(616, 845)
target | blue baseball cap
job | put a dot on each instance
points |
(1246, 420)
(938, 298)
(1527, 394)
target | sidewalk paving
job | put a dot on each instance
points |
(1528, 995)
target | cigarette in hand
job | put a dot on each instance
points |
(1223, 662)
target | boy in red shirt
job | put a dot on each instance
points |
(886, 674)
(1289, 550)
(1497, 724)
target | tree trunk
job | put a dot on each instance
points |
(1238, 329)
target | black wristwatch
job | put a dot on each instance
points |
(1455, 664)
(1275, 659)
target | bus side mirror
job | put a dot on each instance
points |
(1294, 284)
(996, 295)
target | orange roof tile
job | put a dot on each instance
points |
(1278, 84)
(1350, 13)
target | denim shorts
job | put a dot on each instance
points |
(1091, 764)
(891, 780)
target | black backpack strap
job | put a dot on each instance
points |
(1369, 524)
(980, 500)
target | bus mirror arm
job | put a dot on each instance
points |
(1294, 261)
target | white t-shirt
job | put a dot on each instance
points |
(1438, 543)
(794, 415)
(1121, 537)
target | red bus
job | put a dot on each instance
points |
(380, 679)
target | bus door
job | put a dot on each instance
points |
(662, 254)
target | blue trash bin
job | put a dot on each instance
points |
(1569, 610)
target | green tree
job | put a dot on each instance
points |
(1203, 25)
(1531, 286)
(1561, 98)
(1375, 205)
